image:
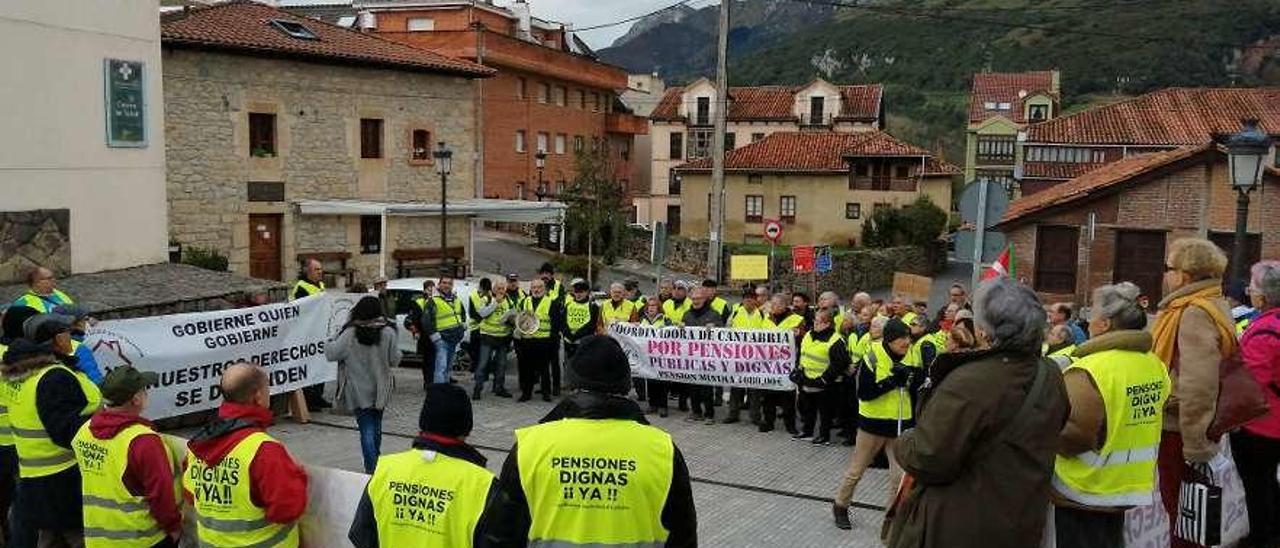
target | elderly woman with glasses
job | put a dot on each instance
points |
(1256, 448)
(982, 451)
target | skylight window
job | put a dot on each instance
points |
(294, 29)
(989, 105)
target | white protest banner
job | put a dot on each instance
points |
(699, 355)
(189, 351)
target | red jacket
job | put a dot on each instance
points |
(148, 472)
(1260, 350)
(277, 483)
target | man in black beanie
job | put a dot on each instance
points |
(440, 461)
(627, 483)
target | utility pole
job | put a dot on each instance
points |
(714, 255)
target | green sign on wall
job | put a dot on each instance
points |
(126, 103)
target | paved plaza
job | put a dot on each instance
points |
(751, 489)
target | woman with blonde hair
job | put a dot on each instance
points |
(1192, 334)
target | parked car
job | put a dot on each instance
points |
(406, 291)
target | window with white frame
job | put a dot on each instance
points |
(560, 139)
(520, 146)
(421, 24)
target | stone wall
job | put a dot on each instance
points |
(38, 237)
(854, 270)
(318, 110)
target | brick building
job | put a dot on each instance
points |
(822, 186)
(266, 110)
(1064, 148)
(1139, 205)
(1000, 105)
(681, 128)
(550, 93)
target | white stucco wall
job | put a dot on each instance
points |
(53, 152)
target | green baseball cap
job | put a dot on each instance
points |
(125, 381)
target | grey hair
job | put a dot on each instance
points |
(1119, 303)
(617, 285)
(1010, 314)
(1266, 281)
(831, 294)
(879, 321)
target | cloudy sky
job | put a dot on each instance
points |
(585, 13)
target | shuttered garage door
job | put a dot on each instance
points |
(1140, 259)
(1057, 253)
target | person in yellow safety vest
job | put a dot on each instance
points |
(664, 290)
(547, 273)
(413, 323)
(829, 300)
(618, 307)
(477, 301)
(715, 301)
(577, 318)
(898, 308)
(514, 292)
(1059, 345)
(781, 318)
(127, 470)
(923, 348)
(746, 315)
(638, 300)
(679, 303)
(42, 292)
(1107, 452)
(887, 383)
(592, 472)
(823, 360)
(858, 323)
(494, 341)
(244, 486)
(444, 322)
(656, 390)
(433, 494)
(11, 321)
(311, 283)
(49, 405)
(537, 350)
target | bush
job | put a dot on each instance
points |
(918, 224)
(207, 258)
(575, 266)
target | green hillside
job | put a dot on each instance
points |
(925, 52)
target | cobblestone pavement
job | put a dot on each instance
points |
(751, 489)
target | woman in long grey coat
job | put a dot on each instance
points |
(366, 351)
(983, 449)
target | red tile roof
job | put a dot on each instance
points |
(1055, 170)
(243, 26)
(1173, 116)
(1097, 181)
(1007, 87)
(819, 152)
(858, 103)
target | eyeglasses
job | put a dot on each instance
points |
(1168, 268)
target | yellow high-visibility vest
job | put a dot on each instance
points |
(815, 355)
(477, 302)
(543, 311)
(718, 304)
(308, 287)
(554, 289)
(429, 501)
(225, 514)
(892, 405)
(675, 314)
(916, 353)
(595, 482)
(38, 456)
(858, 346)
(791, 321)
(576, 314)
(1134, 387)
(448, 313)
(1062, 356)
(621, 312)
(43, 304)
(114, 517)
(747, 320)
(492, 325)
(8, 391)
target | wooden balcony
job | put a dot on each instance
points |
(885, 184)
(630, 124)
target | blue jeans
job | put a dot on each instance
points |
(492, 361)
(369, 421)
(446, 352)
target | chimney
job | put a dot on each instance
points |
(524, 20)
(367, 21)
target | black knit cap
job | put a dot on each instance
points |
(600, 365)
(895, 329)
(446, 410)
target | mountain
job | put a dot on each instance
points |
(679, 43)
(926, 51)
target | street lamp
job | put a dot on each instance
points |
(540, 161)
(1246, 151)
(443, 157)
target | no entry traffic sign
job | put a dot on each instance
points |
(772, 230)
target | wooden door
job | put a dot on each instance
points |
(264, 246)
(1140, 259)
(1252, 250)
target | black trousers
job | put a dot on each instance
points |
(657, 392)
(1085, 529)
(772, 401)
(847, 407)
(535, 361)
(554, 364)
(701, 399)
(1256, 458)
(819, 407)
(427, 352)
(744, 397)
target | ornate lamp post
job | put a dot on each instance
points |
(1246, 152)
(540, 161)
(444, 158)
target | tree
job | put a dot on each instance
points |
(596, 202)
(918, 224)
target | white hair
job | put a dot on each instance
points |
(1119, 303)
(617, 285)
(1010, 314)
(1266, 281)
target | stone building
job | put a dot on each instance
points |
(265, 109)
(1000, 105)
(822, 186)
(1115, 222)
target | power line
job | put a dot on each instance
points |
(631, 19)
